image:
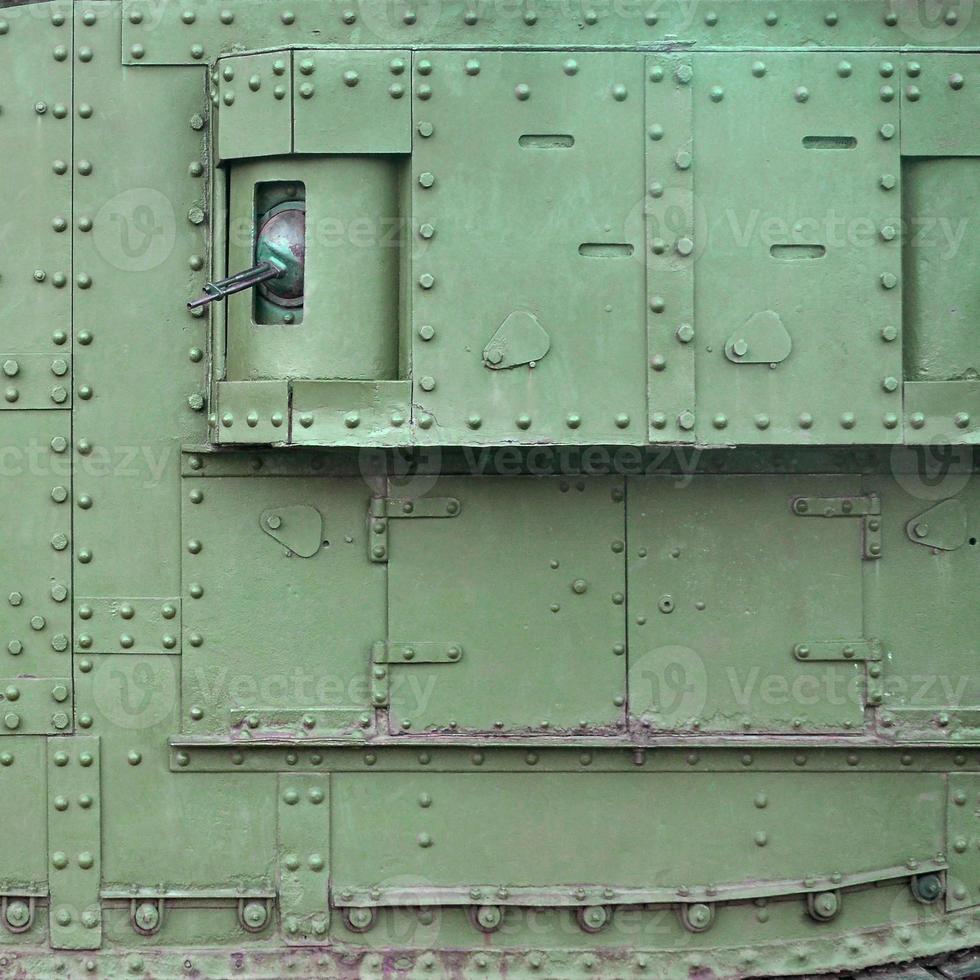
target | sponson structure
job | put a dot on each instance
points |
(489, 488)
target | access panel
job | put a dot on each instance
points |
(528, 259)
(746, 604)
(281, 607)
(923, 602)
(798, 282)
(506, 607)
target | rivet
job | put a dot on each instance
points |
(351, 78)
(956, 81)
(522, 92)
(886, 93)
(758, 69)
(801, 93)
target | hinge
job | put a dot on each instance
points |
(839, 650)
(868, 508)
(867, 651)
(384, 509)
(384, 655)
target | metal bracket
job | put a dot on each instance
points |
(17, 913)
(146, 915)
(843, 650)
(943, 526)
(867, 651)
(384, 509)
(417, 652)
(868, 508)
(384, 655)
(298, 528)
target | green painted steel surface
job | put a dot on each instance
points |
(579, 579)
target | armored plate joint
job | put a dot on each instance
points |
(867, 508)
(384, 509)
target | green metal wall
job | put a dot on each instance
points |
(585, 584)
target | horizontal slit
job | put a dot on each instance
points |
(605, 250)
(829, 142)
(794, 252)
(547, 141)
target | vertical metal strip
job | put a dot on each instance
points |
(671, 246)
(304, 857)
(74, 842)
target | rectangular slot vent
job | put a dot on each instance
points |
(606, 250)
(793, 253)
(547, 141)
(829, 142)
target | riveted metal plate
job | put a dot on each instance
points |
(351, 413)
(141, 220)
(133, 703)
(354, 101)
(252, 412)
(922, 600)
(500, 138)
(74, 842)
(671, 227)
(35, 706)
(23, 798)
(128, 625)
(712, 636)
(35, 559)
(160, 34)
(811, 234)
(33, 381)
(940, 100)
(254, 105)
(289, 655)
(943, 411)
(304, 856)
(36, 61)
(563, 543)
(776, 820)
